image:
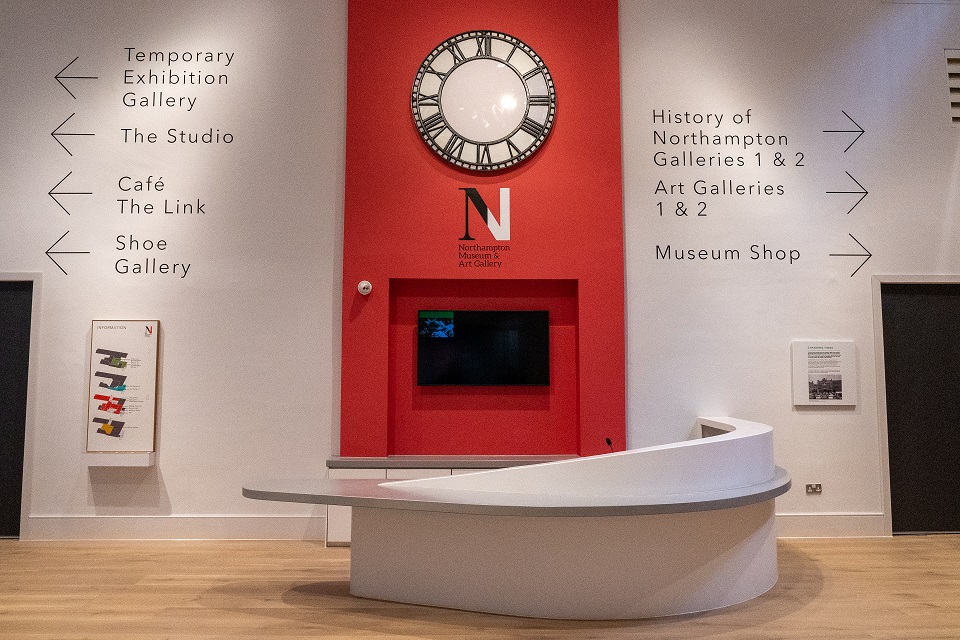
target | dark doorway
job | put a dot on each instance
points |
(16, 302)
(921, 352)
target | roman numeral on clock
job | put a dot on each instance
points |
(483, 154)
(484, 46)
(439, 74)
(457, 53)
(533, 73)
(428, 101)
(532, 127)
(454, 146)
(434, 124)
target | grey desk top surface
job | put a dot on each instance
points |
(439, 462)
(379, 494)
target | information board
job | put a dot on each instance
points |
(824, 373)
(123, 386)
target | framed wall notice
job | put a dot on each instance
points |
(824, 372)
(123, 386)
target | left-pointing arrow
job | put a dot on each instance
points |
(56, 133)
(60, 77)
(53, 193)
(50, 252)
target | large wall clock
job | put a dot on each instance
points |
(483, 100)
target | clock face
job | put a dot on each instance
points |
(483, 100)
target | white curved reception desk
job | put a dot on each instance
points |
(663, 530)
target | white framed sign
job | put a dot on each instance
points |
(824, 372)
(122, 401)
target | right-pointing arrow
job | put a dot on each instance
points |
(50, 252)
(859, 130)
(866, 256)
(862, 191)
(53, 193)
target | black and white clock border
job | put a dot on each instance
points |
(436, 115)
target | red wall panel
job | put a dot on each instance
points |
(404, 215)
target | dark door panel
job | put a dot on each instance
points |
(921, 351)
(16, 299)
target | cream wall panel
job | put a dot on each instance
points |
(713, 336)
(247, 385)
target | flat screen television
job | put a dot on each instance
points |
(483, 348)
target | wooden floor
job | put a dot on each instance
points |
(850, 589)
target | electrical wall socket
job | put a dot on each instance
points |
(814, 489)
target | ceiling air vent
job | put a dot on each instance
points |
(953, 83)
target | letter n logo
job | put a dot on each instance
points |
(499, 228)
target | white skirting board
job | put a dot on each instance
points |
(833, 525)
(175, 527)
(213, 527)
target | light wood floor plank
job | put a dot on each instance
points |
(903, 588)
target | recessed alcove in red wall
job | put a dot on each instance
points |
(462, 420)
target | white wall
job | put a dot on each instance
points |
(711, 337)
(250, 336)
(249, 374)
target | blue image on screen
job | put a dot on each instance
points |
(436, 327)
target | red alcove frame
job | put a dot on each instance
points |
(404, 215)
(522, 420)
